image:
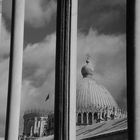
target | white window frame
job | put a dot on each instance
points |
(65, 84)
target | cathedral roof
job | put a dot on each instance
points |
(90, 94)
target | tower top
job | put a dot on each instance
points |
(88, 68)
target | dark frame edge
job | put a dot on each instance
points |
(62, 68)
(130, 35)
(10, 71)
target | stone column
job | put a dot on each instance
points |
(31, 131)
(35, 125)
(93, 118)
(101, 111)
(41, 126)
(81, 117)
(87, 117)
(38, 127)
(15, 74)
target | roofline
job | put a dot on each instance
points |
(107, 134)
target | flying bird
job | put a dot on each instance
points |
(47, 97)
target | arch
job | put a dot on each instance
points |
(84, 118)
(90, 118)
(96, 116)
(79, 118)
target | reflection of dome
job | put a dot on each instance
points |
(90, 94)
(93, 98)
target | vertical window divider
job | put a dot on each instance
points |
(73, 70)
(15, 70)
(65, 113)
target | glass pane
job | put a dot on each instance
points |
(5, 29)
(101, 102)
(38, 81)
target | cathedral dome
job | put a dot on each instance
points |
(90, 94)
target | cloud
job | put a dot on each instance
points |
(107, 17)
(38, 73)
(38, 78)
(109, 53)
(4, 66)
(37, 12)
(5, 41)
(39, 60)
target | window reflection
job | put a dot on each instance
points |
(4, 64)
(101, 99)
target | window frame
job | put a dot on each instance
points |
(65, 76)
(65, 82)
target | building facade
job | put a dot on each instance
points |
(38, 124)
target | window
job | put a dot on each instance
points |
(97, 40)
(79, 118)
(84, 118)
(101, 68)
(90, 118)
(62, 78)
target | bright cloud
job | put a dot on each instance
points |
(4, 67)
(38, 74)
(5, 41)
(37, 12)
(3, 93)
(109, 53)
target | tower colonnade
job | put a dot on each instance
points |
(91, 117)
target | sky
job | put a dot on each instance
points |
(101, 34)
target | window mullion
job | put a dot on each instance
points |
(62, 81)
(15, 70)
